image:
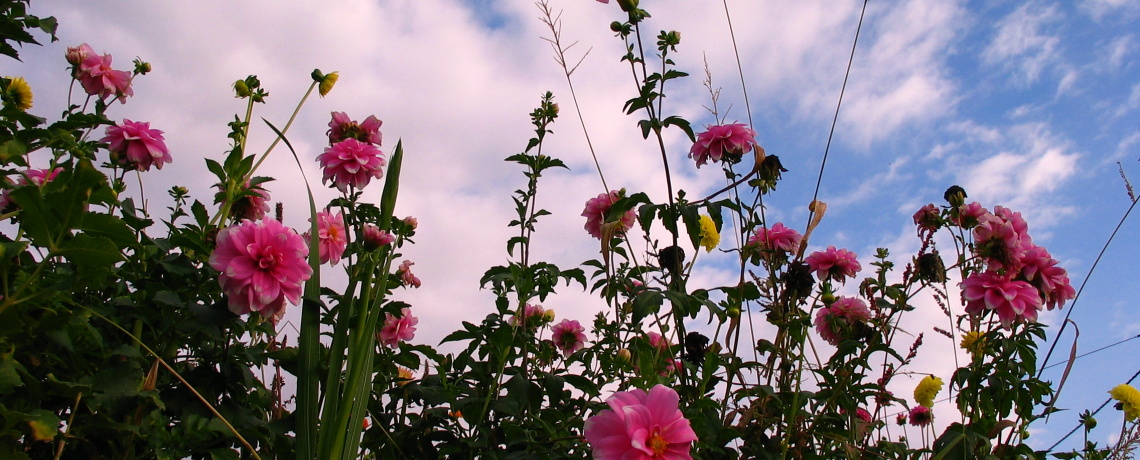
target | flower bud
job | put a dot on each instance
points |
(624, 356)
(375, 238)
(733, 311)
(241, 89)
(672, 258)
(955, 195)
(141, 67)
(75, 55)
(548, 315)
(930, 268)
(827, 298)
(627, 5)
(412, 222)
(327, 83)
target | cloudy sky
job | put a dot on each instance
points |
(1029, 105)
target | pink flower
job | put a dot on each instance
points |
(331, 233)
(341, 128)
(927, 219)
(1041, 270)
(969, 214)
(640, 426)
(569, 336)
(398, 330)
(658, 342)
(97, 76)
(37, 177)
(920, 416)
(831, 322)
(351, 163)
(406, 276)
(1016, 221)
(533, 315)
(836, 264)
(731, 140)
(1014, 301)
(996, 240)
(777, 239)
(253, 206)
(595, 214)
(863, 415)
(412, 222)
(374, 237)
(135, 146)
(262, 264)
(76, 55)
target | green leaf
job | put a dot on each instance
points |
(110, 227)
(45, 424)
(90, 251)
(9, 377)
(692, 221)
(645, 303)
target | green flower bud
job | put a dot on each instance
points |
(623, 356)
(241, 89)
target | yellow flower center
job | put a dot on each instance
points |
(657, 444)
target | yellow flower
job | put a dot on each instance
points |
(926, 390)
(19, 94)
(1129, 398)
(327, 83)
(710, 238)
(973, 343)
(404, 375)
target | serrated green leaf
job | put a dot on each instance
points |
(90, 251)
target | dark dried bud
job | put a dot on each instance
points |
(695, 347)
(930, 268)
(955, 195)
(672, 258)
(771, 168)
(798, 280)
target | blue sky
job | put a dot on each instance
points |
(1028, 105)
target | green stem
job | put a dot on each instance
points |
(283, 131)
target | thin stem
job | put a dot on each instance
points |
(283, 131)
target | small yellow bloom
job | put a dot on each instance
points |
(973, 343)
(19, 94)
(926, 390)
(1129, 397)
(710, 238)
(327, 83)
(404, 375)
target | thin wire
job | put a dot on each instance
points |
(1137, 336)
(835, 119)
(739, 68)
(1072, 307)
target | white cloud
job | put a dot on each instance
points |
(1101, 8)
(1022, 46)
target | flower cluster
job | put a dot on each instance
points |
(262, 265)
(640, 425)
(533, 316)
(94, 72)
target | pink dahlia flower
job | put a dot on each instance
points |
(262, 265)
(341, 128)
(398, 330)
(374, 238)
(777, 239)
(351, 163)
(836, 264)
(253, 207)
(97, 76)
(928, 219)
(533, 315)
(135, 146)
(968, 215)
(331, 233)
(658, 342)
(1014, 301)
(832, 321)
(731, 140)
(1041, 270)
(37, 177)
(920, 416)
(996, 240)
(1016, 221)
(406, 275)
(640, 426)
(569, 336)
(863, 415)
(595, 214)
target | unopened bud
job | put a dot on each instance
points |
(733, 311)
(627, 5)
(624, 356)
(955, 195)
(76, 55)
(141, 67)
(548, 315)
(375, 238)
(241, 89)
